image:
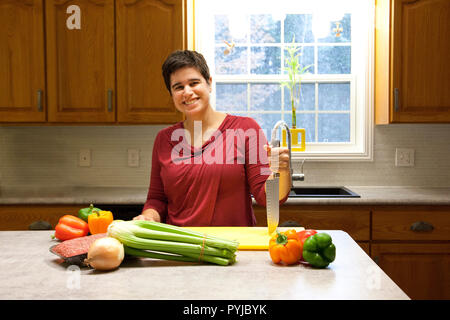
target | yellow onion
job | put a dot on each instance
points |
(105, 254)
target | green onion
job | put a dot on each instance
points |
(163, 241)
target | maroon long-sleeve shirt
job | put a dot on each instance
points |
(211, 185)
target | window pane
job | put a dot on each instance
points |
(306, 121)
(334, 60)
(334, 127)
(266, 121)
(231, 97)
(265, 60)
(233, 63)
(334, 96)
(263, 29)
(265, 96)
(307, 97)
(340, 31)
(306, 59)
(222, 29)
(300, 26)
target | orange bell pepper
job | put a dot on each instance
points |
(70, 227)
(99, 221)
(285, 247)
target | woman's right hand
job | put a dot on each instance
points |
(149, 215)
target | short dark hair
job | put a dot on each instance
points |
(181, 59)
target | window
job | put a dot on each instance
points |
(245, 45)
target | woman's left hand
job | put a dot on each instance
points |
(278, 158)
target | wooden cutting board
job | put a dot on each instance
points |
(249, 238)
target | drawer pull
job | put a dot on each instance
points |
(110, 100)
(421, 226)
(39, 100)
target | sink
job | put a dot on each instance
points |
(322, 192)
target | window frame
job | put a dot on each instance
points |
(360, 147)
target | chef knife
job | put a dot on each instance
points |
(272, 196)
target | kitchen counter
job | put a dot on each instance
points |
(29, 271)
(378, 195)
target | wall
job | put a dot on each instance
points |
(48, 156)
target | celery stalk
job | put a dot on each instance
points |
(212, 240)
(128, 234)
(185, 258)
(155, 255)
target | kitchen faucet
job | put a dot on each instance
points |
(276, 143)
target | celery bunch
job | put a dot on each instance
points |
(163, 241)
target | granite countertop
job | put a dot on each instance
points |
(29, 271)
(376, 195)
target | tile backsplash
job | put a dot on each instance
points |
(48, 156)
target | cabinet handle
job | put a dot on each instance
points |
(110, 98)
(39, 100)
(421, 226)
(396, 106)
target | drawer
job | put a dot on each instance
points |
(415, 223)
(355, 220)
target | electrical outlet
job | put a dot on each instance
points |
(84, 159)
(133, 157)
(404, 157)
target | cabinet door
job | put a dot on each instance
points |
(80, 62)
(421, 65)
(22, 76)
(421, 270)
(147, 32)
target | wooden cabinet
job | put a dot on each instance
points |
(105, 70)
(412, 245)
(80, 63)
(412, 69)
(420, 270)
(19, 217)
(22, 62)
(147, 32)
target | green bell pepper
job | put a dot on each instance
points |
(86, 212)
(319, 250)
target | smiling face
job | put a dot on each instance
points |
(190, 92)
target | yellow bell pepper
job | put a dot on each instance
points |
(99, 221)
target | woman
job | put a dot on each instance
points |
(204, 169)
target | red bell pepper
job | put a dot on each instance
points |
(70, 227)
(302, 236)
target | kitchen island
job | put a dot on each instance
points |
(30, 271)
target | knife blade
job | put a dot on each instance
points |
(272, 195)
(272, 202)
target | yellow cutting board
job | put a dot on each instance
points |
(249, 238)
